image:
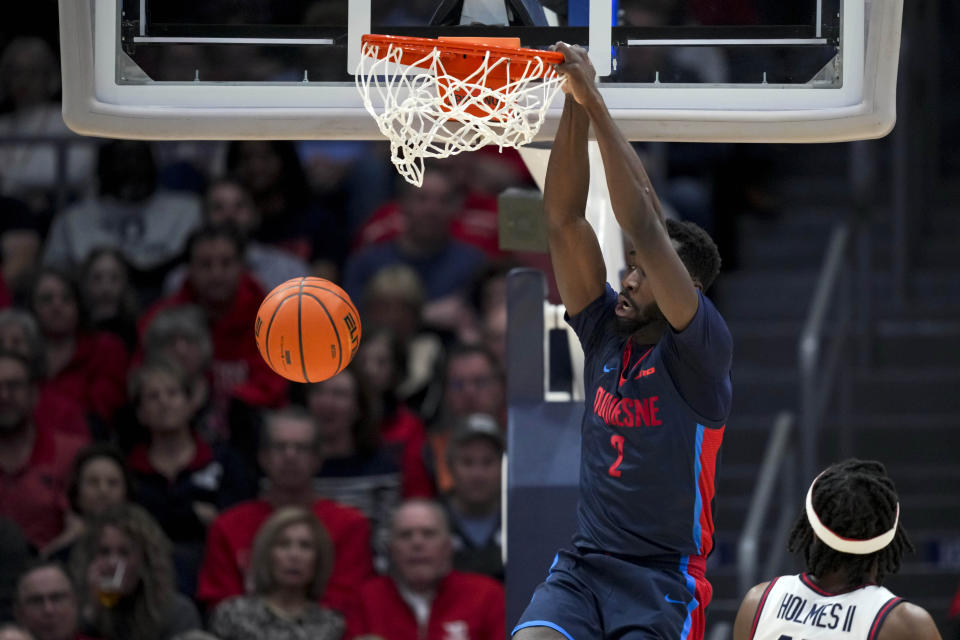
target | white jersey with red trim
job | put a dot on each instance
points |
(794, 608)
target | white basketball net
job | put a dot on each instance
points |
(427, 113)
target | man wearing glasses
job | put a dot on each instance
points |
(46, 603)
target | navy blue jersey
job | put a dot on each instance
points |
(652, 427)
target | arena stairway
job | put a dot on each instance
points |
(905, 406)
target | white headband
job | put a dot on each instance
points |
(847, 545)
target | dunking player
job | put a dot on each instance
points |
(850, 537)
(657, 375)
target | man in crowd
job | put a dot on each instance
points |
(227, 201)
(423, 598)
(34, 463)
(289, 456)
(474, 458)
(474, 383)
(445, 265)
(46, 603)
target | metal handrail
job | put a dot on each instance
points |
(771, 471)
(809, 349)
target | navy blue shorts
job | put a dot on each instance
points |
(592, 595)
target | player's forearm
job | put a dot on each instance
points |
(568, 171)
(632, 197)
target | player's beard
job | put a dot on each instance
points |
(645, 328)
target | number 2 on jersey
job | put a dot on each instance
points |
(617, 443)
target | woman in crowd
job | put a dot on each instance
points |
(180, 479)
(394, 299)
(124, 572)
(88, 367)
(109, 298)
(180, 335)
(291, 561)
(99, 481)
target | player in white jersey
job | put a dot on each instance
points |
(851, 538)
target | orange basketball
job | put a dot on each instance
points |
(307, 329)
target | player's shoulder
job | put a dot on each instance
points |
(908, 621)
(709, 314)
(749, 608)
(755, 595)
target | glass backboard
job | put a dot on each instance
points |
(691, 70)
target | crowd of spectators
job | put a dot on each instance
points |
(157, 479)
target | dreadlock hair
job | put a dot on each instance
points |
(697, 251)
(854, 499)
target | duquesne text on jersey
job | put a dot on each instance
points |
(626, 412)
(825, 615)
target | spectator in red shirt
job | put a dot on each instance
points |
(89, 367)
(423, 598)
(480, 177)
(289, 456)
(46, 603)
(219, 283)
(34, 463)
(19, 333)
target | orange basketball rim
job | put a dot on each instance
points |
(462, 58)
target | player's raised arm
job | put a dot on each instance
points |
(574, 250)
(635, 204)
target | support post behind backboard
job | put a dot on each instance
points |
(599, 210)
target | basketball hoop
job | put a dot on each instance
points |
(446, 96)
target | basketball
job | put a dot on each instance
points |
(307, 329)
